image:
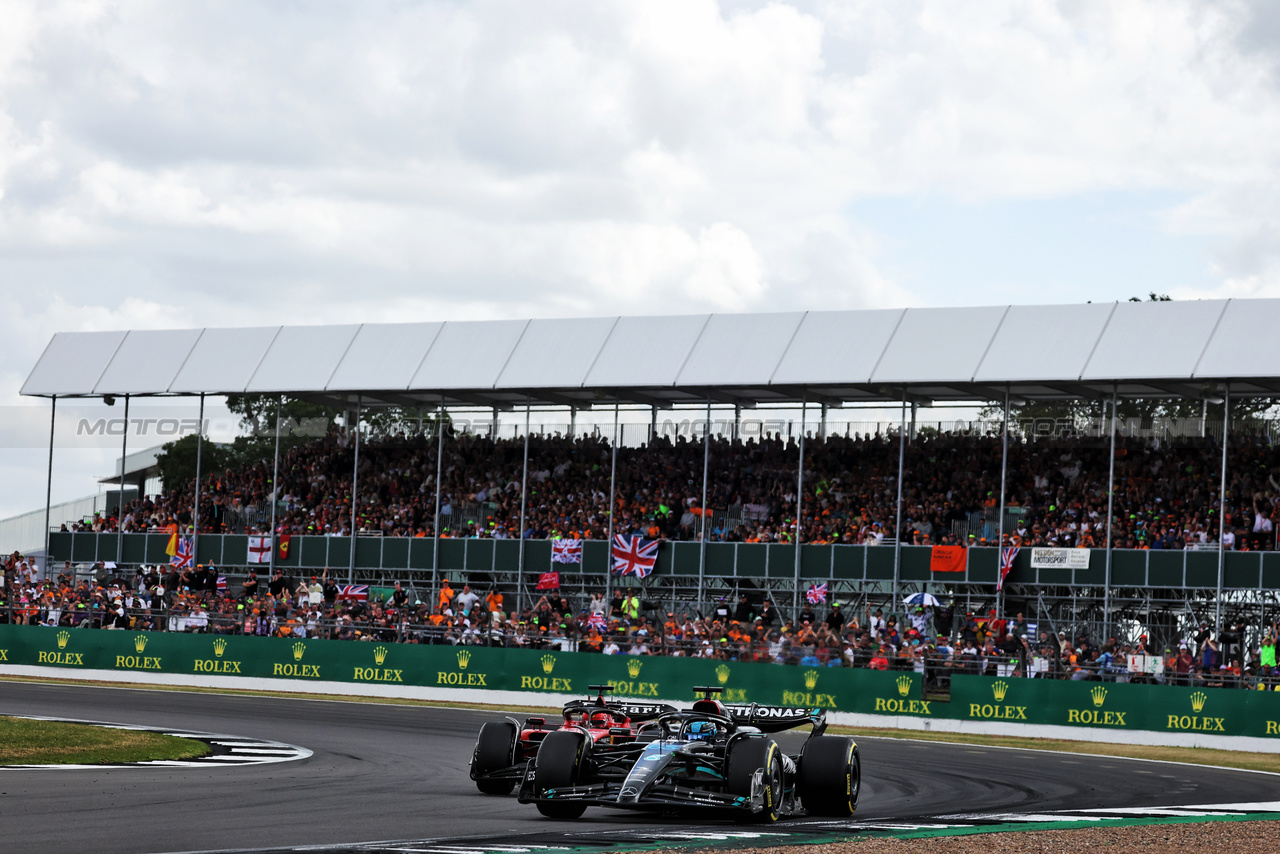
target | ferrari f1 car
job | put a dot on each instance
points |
(711, 758)
(504, 748)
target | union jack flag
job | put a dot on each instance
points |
(566, 551)
(817, 593)
(634, 555)
(354, 592)
(1007, 557)
(597, 621)
(222, 584)
(183, 555)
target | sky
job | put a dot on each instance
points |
(215, 164)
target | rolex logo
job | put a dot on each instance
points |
(1197, 701)
(548, 663)
(722, 673)
(219, 646)
(464, 657)
(999, 689)
(810, 679)
(379, 655)
(1099, 695)
(904, 686)
(63, 637)
(633, 667)
(139, 643)
(298, 649)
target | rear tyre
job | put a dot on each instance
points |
(744, 756)
(495, 750)
(560, 761)
(830, 776)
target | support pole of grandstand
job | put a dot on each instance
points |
(524, 497)
(1111, 492)
(1222, 511)
(702, 536)
(613, 476)
(124, 451)
(897, 525)
(275, 485)
(795, 610)
(435, 528)
(195, 504)
(1004, 467)
(355, 492)
(737, 421)
(48, 496)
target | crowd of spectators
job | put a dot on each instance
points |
(1166, 494)
(936, 642)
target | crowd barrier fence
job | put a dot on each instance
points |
(1115, 706)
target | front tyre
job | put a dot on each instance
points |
(495, 750)
(829, 776)
(743, 757)
(559, 764)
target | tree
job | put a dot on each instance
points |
(177, 461)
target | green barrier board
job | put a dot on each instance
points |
(976, 698)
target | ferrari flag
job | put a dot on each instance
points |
(548, 581)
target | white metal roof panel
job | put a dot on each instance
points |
(1246, 343)
(223, 360)
(384, 356)
(837, 347)
(556, 353)
(468, 355)
(740, 349)
(939, 345)
(147, 361)
(1044, 343)
(302, 358)
(72, 363)
(1154, 340)
(646, 351)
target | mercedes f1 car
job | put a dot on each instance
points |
(504, 748)
(712, 758)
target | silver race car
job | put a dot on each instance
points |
(712, 757)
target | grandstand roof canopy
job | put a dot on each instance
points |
(1141, 349)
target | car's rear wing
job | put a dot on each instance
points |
(635, 711)
(643, 711)
(778, 718)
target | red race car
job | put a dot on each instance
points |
(504, 747)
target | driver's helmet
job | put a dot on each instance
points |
(601, 720)
(702, 730)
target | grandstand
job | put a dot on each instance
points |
(708, 369)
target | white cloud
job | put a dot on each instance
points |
(174, 164)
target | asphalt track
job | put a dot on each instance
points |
(398, 772)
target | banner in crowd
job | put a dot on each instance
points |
(566, 551)
(634, 555)
(548, 581)
(947, 559)
(1007, 556)
(1042, 558)
(259, 550)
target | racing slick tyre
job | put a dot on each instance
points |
(560, 760)
(829, 776)
(495, 750)
(741, 760)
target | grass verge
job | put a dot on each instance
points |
(28, 742)
(1268, 762)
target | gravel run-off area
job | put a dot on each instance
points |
(1212, 837)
